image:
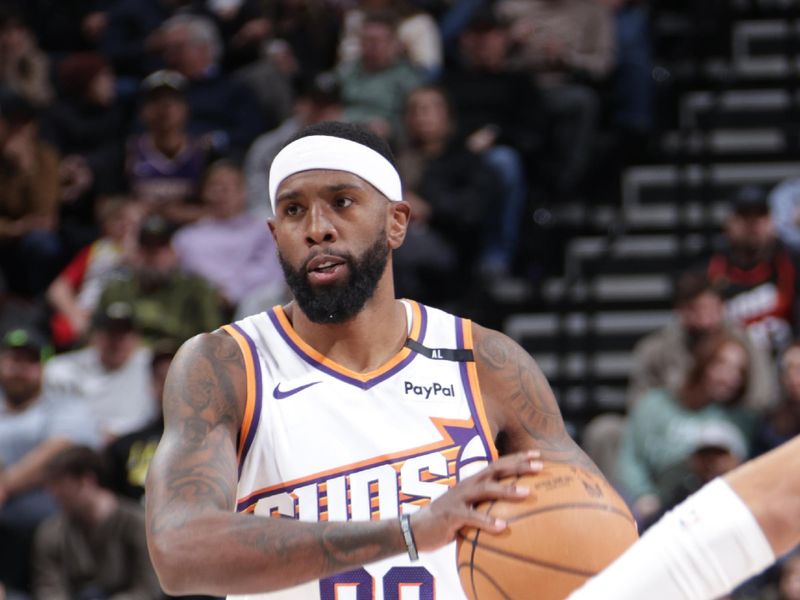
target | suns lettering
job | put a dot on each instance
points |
(380, 491)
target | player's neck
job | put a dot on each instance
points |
(366, 341)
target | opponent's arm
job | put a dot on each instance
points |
(199, 545)
(520, 405)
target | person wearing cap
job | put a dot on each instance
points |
(110, 375)
(758, 277)
(35, 426)
(364, 423)
(655, 442)
(167, 301)
(165, 164)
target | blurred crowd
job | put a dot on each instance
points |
(136, 138)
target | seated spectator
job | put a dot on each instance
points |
(129, 456)
(758, 277)
(496, 112)
(35, 426)
(131, 37)
(450, 190)
(167, 301)
(164, 164)
(192, 46)
(95, 547)
(86, 124)
(567, 47)
(783, 421)
(74, 293)
(110, 375)
(656, 440)
(417, 32)
(229, 248)
(30, 248)
(374, 88)
(24, 68)
(317, 99)
(662, 358)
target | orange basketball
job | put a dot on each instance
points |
(571, 526)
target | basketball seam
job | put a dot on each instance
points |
(589, 505)
(541, 563)
(493, 582)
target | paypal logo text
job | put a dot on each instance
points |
(429, 390)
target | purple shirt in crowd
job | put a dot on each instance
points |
(237, 255)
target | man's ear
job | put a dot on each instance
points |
(271, 226)
(398, 218)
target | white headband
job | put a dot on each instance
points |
(337, 154)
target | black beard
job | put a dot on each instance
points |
(339, 302)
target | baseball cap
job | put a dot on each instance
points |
(163, 81)
(718, 434)
(27, 338)
(117, 316)
(155, 231)
(750, 200)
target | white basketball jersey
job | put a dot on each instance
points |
(320, 442)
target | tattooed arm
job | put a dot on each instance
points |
(520, 405)
(199, 545)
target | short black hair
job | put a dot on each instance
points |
(348, 131)
(77, 462)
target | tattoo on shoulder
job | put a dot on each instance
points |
(526, 397)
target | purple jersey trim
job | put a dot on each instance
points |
(251, 433)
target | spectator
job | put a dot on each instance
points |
(95, 547)
(307, 32)
(132, 37)
(229, 248)
(662, 358)
(375, 87)
(30, 249)
(167, 302)
(417, 32)
(192, 46)
(129, 456)
(449, 189)
(789, 580)
(24, 68)
(110, 375)
(165, 163)
(567, 46)
(74, 293)
(655, 443)
(495, 112)
(783, 422)
(86, 123)
(35, 426)
(757, 276)
(317, 99)
(244, 27)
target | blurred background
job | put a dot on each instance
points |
(614, 184)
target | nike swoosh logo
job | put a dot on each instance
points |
(281, 394)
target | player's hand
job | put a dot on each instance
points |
(437, 524)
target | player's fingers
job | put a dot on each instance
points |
(484, 521)
(521, 463)
(493, 490)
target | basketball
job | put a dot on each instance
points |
(570, 527)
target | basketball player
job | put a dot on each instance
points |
(730, 530)
(362, 423)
